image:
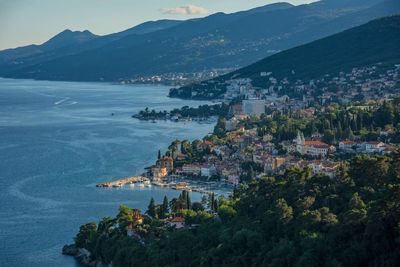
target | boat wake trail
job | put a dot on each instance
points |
(44, 203)
(61, 101)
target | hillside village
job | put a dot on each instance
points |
(312, 165)
(252, 146)
(245, 143)
(360, 84)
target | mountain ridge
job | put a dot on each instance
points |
(377, 41)
(217, 41)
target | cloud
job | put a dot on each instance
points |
(185, 10)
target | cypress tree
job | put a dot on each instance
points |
(211, 201)
(165, 207)
(151, 209)
(188, 201)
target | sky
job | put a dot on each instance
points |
(24, 22)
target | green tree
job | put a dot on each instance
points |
(165, 207)
(151, 209)
(124, 217)
(86, 236)
(357, 212)
(188, 201)
(284, 211)
(197, 206)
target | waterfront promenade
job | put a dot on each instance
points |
(121, 182)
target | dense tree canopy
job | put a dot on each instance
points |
(294, 219)
(335, 122)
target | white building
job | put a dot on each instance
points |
(191, 169)
(176, 222)
(347, 145)
(231, 124)
(373, 147)
(311, 148)
(208, 171)
(254, 107)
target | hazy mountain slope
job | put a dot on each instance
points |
(71, 42)
(63, 39)
(375, 42)
(217, 41)
(150, 26)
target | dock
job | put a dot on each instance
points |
(124, 181)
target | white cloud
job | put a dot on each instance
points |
(185, 10)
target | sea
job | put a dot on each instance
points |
(57, 140)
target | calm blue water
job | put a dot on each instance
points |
(57, 140)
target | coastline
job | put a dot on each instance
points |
(84, 146)
(83, 256)
(190, 185)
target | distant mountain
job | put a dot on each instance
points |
(375, 42)
(69, 37)
(217, 41)
(70, 42)
(148, 27)
(61, 40)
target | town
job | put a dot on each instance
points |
(177, 79)
(266, 132)
(360, 84)
(250, 146)
(327, 133)
(309, 155)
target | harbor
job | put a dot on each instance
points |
(202, 187)
(124, 181)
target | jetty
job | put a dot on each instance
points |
(124, 181)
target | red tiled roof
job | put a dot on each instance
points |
(314, 143)
(374, 142)
(177, 220)
(348, 142)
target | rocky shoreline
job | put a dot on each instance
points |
(83, 256)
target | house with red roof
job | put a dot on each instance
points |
(311, 147)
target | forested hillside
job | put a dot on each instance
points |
(375, 42)
(294, 219)
(219, 41)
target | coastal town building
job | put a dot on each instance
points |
(324, 167)
(163, 167)
(347, 145)
(370, 147)
(192, 169)
(373, 147)
(311, 147)
(159, 173)
(208, 170)
(253, 107)
(176, 222)
(166, 162)
(273, 163)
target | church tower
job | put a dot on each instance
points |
(300, 142)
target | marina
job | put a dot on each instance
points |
(124, 181)
(204, 188)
